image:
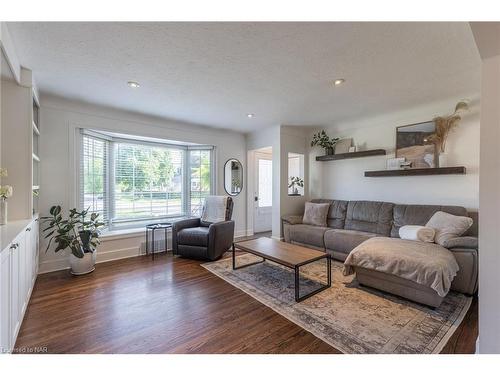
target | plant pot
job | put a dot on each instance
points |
(329, 151)
(82, 266)
(3, 211)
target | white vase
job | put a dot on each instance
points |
(3, 211)
(443, 160)
(82, 266)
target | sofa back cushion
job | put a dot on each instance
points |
(369, 216)
(419, 214)
(336, 213)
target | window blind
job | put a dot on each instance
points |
(93, 176)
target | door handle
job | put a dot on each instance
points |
(256, 199)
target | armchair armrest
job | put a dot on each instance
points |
(292, 219)
(178, 226)
(220, 238)
(186, 223)
(465, 242)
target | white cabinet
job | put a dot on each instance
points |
(4, 298)
(19, 265)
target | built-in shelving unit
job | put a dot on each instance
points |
(35, 153)
(416, 172)
(351, 155)
(20, 144)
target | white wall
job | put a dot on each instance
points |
(344, 179)
(293, 140)
(60, 117)
(487, 35)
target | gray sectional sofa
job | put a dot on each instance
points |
(350, 223)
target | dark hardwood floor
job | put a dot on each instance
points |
(171, 305)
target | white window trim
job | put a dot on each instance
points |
(75, 142)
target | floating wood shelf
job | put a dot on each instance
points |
(416, 172)
(351, 155)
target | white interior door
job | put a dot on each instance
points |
(263, 192)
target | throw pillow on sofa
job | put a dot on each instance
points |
(448, 226)
(417, 233)
(316, 213)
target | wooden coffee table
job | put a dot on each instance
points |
(286, 254)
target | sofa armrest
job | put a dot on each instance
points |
(292, 219)
(465, 242)
(220, 238)
(178, 226)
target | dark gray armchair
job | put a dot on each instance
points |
(194, 238)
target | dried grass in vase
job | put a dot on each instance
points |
(444, 125)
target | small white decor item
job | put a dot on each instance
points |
(394, 163)
(417, 233)
(5, 193)
(342, 146)
(443, 160)
(352, 149)
(3, 211)
(448, 226)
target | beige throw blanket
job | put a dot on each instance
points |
(214, 209)
(427, 264)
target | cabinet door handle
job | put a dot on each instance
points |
(14, 246)
(28, 229)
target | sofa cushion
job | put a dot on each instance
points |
(344, 240)
(308, 234)
(336, 213)
(315, 214)
(369, 216)
(197, 236)
(448, 226)
(417, 214)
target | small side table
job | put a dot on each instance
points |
(152, 228)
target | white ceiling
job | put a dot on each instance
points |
(215, 73)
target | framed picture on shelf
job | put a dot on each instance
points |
(394, 163)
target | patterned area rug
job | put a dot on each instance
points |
(349, 317)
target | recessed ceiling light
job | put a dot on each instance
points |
(339, 81)
(250, 115)
(133, 84)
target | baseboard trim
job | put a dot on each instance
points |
(277, 238)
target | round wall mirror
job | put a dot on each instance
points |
(233, 177)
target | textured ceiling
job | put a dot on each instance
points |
(215, 73)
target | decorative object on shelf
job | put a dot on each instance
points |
(414, 142)
(77, 233)
(295, 183)
(352, 149)
(323, 140)
(444, 125)
(406, 165)
(394, 163)
(5, 193)
(233, 177)
(343, 146)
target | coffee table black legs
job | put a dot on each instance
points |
(299, 298)
(245, 265)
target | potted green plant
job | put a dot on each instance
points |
(323, 140)
(294, 182)
(77, 233)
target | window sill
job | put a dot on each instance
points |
(123, 233)
(132, 232)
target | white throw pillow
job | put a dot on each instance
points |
(417, 233)
(448, 226)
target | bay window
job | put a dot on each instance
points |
(131, 182)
